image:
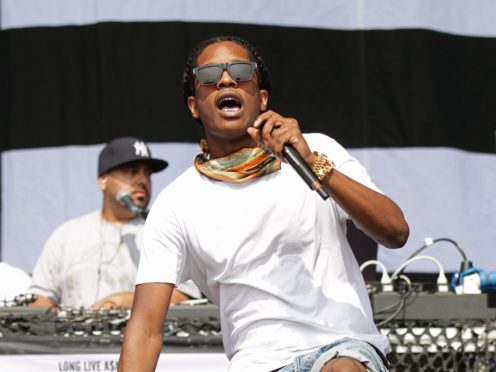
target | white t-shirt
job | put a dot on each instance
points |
(271, 253)
(13, 282)
(87, 259)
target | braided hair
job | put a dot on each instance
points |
(189, 77)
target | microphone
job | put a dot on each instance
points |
(302, 168)
(125, 199)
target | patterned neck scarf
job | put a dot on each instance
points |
(241, 166)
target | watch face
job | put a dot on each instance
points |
(323, 166)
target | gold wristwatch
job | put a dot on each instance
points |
(322, 167)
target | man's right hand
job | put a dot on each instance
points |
(42, 301)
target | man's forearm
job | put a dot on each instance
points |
(140, 350)
(378, 216)
(143, 337)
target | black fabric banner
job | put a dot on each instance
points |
(87, 84)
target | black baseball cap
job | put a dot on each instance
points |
(125, 150)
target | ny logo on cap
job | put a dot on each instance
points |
(141, 149)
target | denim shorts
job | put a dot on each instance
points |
(345, 347)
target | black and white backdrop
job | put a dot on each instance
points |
(408, 87)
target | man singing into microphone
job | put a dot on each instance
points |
(256, 239)
(92, 260)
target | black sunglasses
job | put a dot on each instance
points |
(211, 74)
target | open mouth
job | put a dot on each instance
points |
(141, 195)
(229, 104)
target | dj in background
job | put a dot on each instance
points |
(92, 260)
